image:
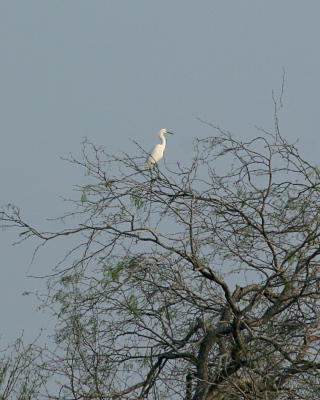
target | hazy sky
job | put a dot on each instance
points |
(119, 70)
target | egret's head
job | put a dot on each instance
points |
(164, 131)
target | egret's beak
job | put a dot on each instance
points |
(171, 133)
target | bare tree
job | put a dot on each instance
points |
(195, 283)
(21, 375)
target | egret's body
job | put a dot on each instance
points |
(157, 152)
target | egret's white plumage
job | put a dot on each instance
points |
(157, 152)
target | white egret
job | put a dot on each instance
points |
(157, 152)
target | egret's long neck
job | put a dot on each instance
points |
(163, 139)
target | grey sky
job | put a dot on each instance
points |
(120, 70)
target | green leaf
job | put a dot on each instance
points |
(24, 233)
(137, 201)
(84, 197)
(133, 305)
(201, 285)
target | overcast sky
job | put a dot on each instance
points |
(114, 71)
